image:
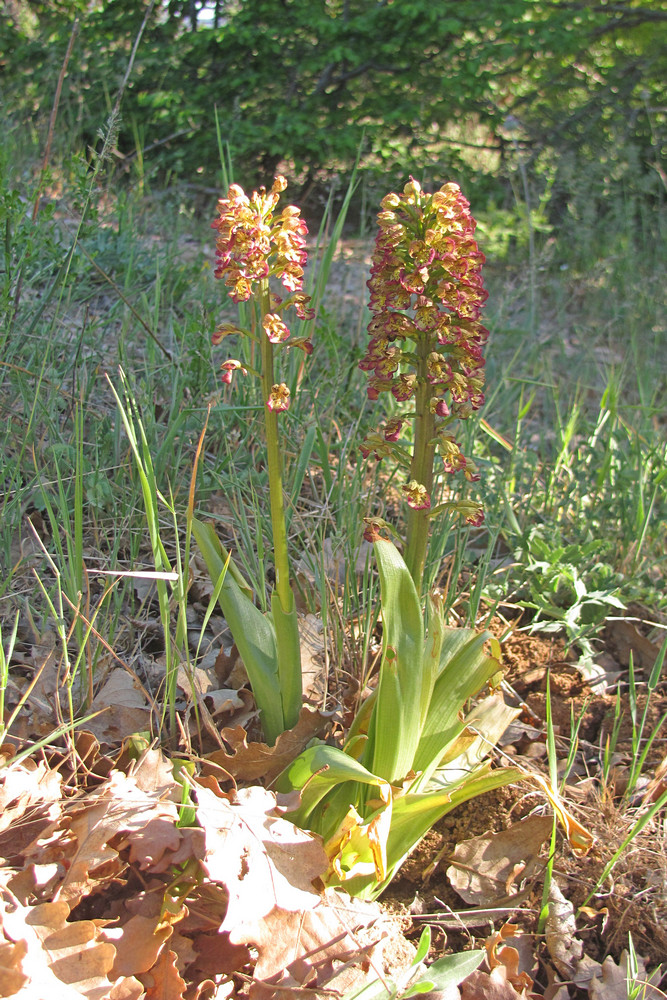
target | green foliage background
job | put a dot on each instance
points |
(434, 87)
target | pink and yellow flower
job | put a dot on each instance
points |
(416, 495)
(275, 329)
(229, 367)
(279, 397)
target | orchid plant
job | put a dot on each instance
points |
(426, 348)
(254, 245)
(413, 751)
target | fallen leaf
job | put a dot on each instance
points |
(657, 786)
(563, 945)
(164, 982)
(137, 943)
(612, 984)
(118, 806)
(502, 949)
(484, 869)
(35, 882)
(628, 639)
(262, 860)
(122, 706)
(63, 961)
(12, 976)
(301, 949)
(30, 803)
(258, 761)
(488, 986)
(153, 773)
(270, 868)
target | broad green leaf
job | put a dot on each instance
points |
(483, 727)
(432, 656)
(395, 724)
(321, 769)
(465, 669)
(253, 633)
(450, 970)
(330, 781)
(413, 815)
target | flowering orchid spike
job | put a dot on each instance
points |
(427, 340)
(252, 244)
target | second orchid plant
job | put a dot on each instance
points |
(426, 348)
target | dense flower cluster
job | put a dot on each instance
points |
(252, 245)
(426, 338)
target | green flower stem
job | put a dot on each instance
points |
(274, 463)
(289, 665)
(421, 467)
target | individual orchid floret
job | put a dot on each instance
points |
(471, 511)
(417, 495)
(374, 528)
(229, 367)
(392, 429)
(376, 445)
(279, 397)
(274, 328)
(304, 344)
(222, 331)
(439, 407)
(301, 306)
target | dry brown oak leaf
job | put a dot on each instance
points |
(56, 959)
(270, 868)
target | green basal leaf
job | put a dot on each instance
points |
(253, 632)
(464, 670)
(484, 726)
(413, 815)
(395, 723)
(316, 772)
(432, 655)
(450, 971)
